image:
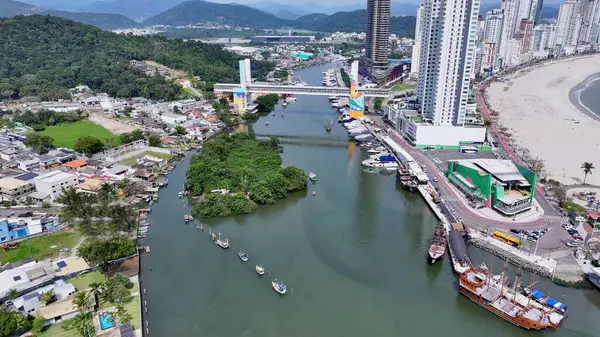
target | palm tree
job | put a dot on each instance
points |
(587, 169)
(95, 289)
(80, 300)
(83, 323)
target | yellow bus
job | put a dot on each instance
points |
(509, 240)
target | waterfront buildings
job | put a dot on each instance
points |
(377, 46)
(510, 8)
(14, 189)
(416, 51)
(590, 21)
(502, 185)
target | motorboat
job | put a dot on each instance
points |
(267, 123)
(259, 269)
(279, 287)
(290, 99)
(222, 243)
(312, 176)
(284, 104)
(365, 138)
(328, 127)
(273, 114)
(186, 218)
(200, 227)
(243, 255)
(377, 164)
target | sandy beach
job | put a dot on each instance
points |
(534, 106)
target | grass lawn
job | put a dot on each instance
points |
(40, 247)
(133, 160)
(56, 330)
(133, 307)
(403, 86)
(65, 135)
(83, 282)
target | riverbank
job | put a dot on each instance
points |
(535, 107)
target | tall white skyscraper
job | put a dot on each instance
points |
(590, 15)
(542, 38)
(536, 10)
(493, 26)
(568, 24)
(416, 52)
(448, 35)
(510, 9)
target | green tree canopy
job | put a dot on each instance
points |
(39, 143)
(102, 251)
(89, 145)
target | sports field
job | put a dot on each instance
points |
(67, 134)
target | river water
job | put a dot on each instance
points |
(352, 256)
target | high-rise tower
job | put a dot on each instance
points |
(449, 32)
(377, 47)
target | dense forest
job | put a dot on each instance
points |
(248, 167)
(43, 56)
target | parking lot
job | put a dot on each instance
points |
(441, 156)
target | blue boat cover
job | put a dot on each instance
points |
(549, 301)
(537, 294)
(387, 158)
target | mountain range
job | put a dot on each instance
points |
(198, 11)
(10, 8)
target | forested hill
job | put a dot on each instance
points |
(198, 11)
(354, 21)
(44, 55)
(10, 8)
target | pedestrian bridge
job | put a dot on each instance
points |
(301, 90)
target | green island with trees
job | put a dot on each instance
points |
(249, 169)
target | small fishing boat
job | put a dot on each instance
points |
(282, 115)
(284, 104)
(222, 243)
(186, 218)
(243, 255)
(200, 227)
(312, 176)
(150, 203)
(273, 114)
(328, 126)
(213, 236)
(267, 123)
(259, 269)
(279, 287)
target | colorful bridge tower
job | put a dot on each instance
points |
(240, 94)
(357, 98)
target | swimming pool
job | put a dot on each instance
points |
(106, 321)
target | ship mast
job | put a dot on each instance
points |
(503, 278)
(518, 274)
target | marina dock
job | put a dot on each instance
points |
(456, 244)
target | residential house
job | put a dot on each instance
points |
(63, 155)
(87, 172)
(31, 301)
(13, 189)
(18, 228)
(47, 162)
(91, 186)
(8, 152)
(173, 119)
(184, 83)
(75, 164)
(89, 99)
(26, 276)
(28, 163)
(27, 176)
(144, 175)
(54, 182)
(57, 311)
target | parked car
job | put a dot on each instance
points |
(577, 237)
(532, 238)
(516, 231)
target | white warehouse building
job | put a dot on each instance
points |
(52, 183)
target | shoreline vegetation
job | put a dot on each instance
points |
(246, 171)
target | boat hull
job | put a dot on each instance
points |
(518, 321)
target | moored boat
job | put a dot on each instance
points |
(186, 218)
(222, 243)
(243, 255)
(279, 287)
(545, 300)
(259, 269)
(437, 246)
(496, 296)
(312, 176)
